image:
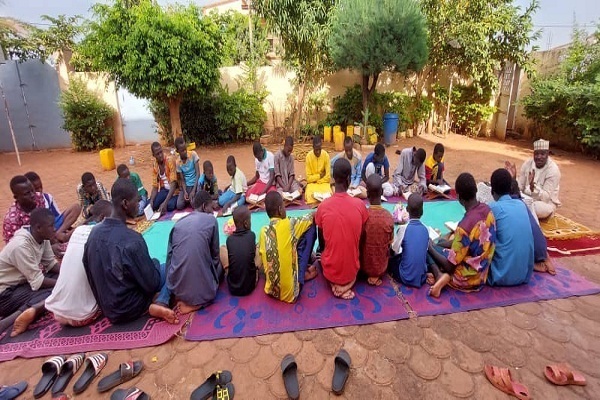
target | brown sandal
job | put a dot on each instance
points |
(502, 380)
(563, 374)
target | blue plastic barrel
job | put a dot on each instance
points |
(390, 127)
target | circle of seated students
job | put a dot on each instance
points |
(111, 272)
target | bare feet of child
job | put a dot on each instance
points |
(436, 289)
(545, 266)
(374, 281)
(162, 312)
(343, 291)
(186, 309)
(311, 273)
(22, 322)
(430, 279)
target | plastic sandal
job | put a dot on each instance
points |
(129, 394)
(13, 391)
(224, 392)
(341, 371)
(91, 368)
(50, 371)
(126, 372)
(563, 374)
(207, 389)
(67, 371)
(289, 370)
(502, 380)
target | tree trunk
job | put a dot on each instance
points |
(367, 91)
(174, 104)
(300, 107)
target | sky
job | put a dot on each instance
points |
(554, 17)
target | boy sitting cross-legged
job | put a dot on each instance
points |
(378, 234)
(285, 247)
(239, 259)
(208, 180)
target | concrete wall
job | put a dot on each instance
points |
(41, 87)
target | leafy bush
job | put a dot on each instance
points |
(568, 103)
(87, 117)
(219, 118)
(469, 108)
(347, 108)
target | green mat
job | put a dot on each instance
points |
(434, 215)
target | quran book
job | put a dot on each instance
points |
(254, 198)
(179, 215)
(291, 196)
(439, 188)
(451, 225)
(433, 234)
(354, 192)
(321, 196)
(150, 214)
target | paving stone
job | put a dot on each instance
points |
(225, 344)
(425, 322)
(346, 331)
(325, 375)
(593, 300)
(244, 350)
(264, 364)
(508, 353)
(200, 355)
(407, 386)
(492, 313)
(528, 308)
(538, 386)
(307, 384)
(359, 386)
(309, 360)
(221, 360)
(387, 327)
(380, 369)
(327, 342)
(286, 344)
(358, 353)
(435, 345)
(446, 328)
(138, 353)
(553, 330)
(434, 390)
(549, 348)
(305, 335)
(475, 339)
(267, 339)
(566, 305)
(409, 332)
(517, 336)
(247, 386)
(586, 325)
(587, 310)
(369, 338)
(423, 364)
(585, 342)
(183, 346)
(276, 387)
(484, 390)
(174, 373)
(193, 378)
(487, 325)
(536, 363)
(520, 320)
(582, 361)
(159, 357)
(466, 359)
(592, 388)
(395, 350)
(456, 381)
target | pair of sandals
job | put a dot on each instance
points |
(58, 371)
(217, 386)
(289, 370)
(559, 374)
(13, 391)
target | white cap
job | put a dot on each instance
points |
(541, 144)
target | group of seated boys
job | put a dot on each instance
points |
(106, 269)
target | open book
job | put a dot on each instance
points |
(179, 215)
(321, 196)
(291, 196)
(433, 234)
(150, 214)
(229, 210)
(254, 198)
(451, 225)
(406, 195)
(354, 192)
(441, 189)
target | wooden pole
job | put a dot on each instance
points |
(12, 132)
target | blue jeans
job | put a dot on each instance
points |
(160, 198)
(228, 195)
(164, 296)
(304, 248)
(142, 204)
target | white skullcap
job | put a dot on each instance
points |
(541, 144)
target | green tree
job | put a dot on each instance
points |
(302, 26)
(155, 53)
(391, 36)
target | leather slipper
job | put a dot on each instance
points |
(341, 372)
(563, 374)
(289, 370)
(502, 380)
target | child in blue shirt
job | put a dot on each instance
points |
(410, 266)
(208, 180)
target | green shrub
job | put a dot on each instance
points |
(86, 117)
(469, 108)
(347, 108)
(219, 118)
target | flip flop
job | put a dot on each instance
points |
(563, 374)
(13, 391)
(60, 396)
(91, 368)
(126, 372)
(341, 372)
(289, 370)
(207, 389)
(50, 370)
(224, 392)
(67, 371)
(129, 394)
(502, 380)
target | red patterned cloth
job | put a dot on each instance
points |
(16, 217)
(375, 246)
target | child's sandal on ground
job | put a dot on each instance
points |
(207, 389)
(502, 380)
(563, 374)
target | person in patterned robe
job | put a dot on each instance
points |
(285, 247)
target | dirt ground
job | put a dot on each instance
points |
(425, 357)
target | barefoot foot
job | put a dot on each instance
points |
(186, 309)
(436, 289)
(311, 273)
(22, 322)
(164, 313)
(374, 281)
(430, 279)
(347, 295)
